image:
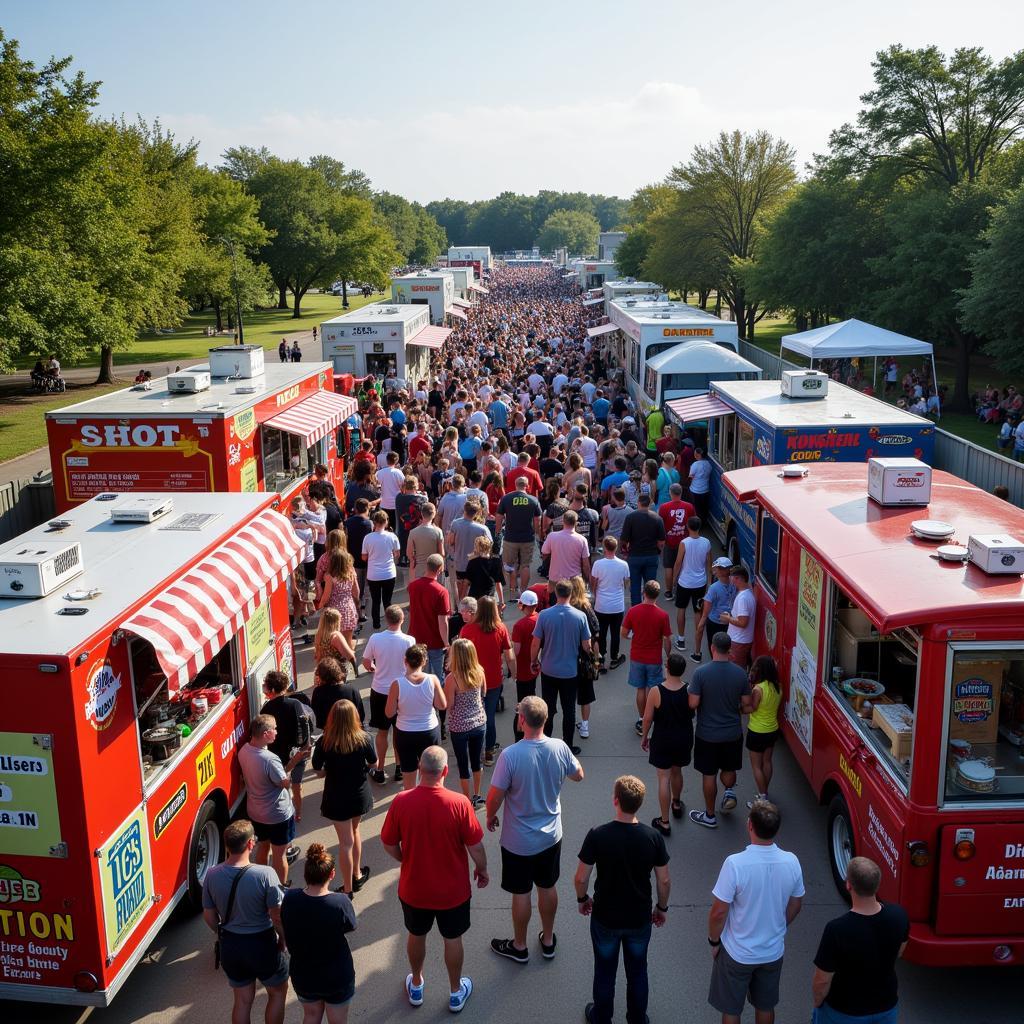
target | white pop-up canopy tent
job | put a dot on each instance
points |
(852, 339)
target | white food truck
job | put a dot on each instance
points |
(476, 256)
(688, 369)
(382, 337)
(592, 274)
(626, 287)
(433, 288)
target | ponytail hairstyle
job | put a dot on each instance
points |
(319, 864)
(764, 670)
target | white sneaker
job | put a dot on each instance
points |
(584, 728)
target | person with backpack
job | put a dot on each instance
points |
(293, 729)
(409, 504)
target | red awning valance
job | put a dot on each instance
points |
(315, 417)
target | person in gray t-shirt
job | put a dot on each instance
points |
(460, 539)
(528, 779)
(251, 937)
(720, 694)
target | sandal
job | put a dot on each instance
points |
(662, 827)
(677, 808)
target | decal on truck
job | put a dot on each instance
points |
(169, 811)
(206, 769)
(103, 687)
(126, 879)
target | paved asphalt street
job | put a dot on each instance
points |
(176, 983)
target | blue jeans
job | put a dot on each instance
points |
(491, 708)
(435, 663)
(641, 569)
(824, 1014)
(467, 747)
(634, 943)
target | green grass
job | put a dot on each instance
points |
(189, 343)
(22, 427)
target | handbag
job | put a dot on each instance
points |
(227, 916)
(586, 667)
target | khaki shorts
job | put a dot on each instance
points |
(732, 983)
(517, 554)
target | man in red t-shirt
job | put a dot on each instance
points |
(419, 442)
(429, 608)
(674, 514)
(666, 443)
(522, 641)
(534, 484)
(429, 830)
(651, 631)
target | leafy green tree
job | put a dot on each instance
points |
(611, 211)
(571, 229)
(504, 223)
(400, 217)
(346, 180)
(730, 187)
(633, 251)
(431, 239)
(454, 216)
(993, 304)
(943, 118)
(244, 162)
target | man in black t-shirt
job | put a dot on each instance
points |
(624, 853)
(357, 526)
(855, 967)
(519, 515)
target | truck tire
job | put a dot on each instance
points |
(205, 850)
(841, 849)
(732, 548)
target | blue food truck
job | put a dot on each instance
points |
(752, 423)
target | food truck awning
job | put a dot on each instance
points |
(479, 288)
(190, 621)
(463, 303)
(593, 332)
(315, 417)
(431, 337)
(594, 302)
(457, 313)
(697, 407)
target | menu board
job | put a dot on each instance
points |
(804, 662)
(29, 823)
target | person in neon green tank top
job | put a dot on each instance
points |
(763, 725)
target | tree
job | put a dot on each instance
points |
(504, 223)
(993, 304)
(244, 162)
(351, 182)
(942, 118)
(569, 229)
(633, 251)
(454, 216)
(729, 188)
(431, 239)
(401, 218)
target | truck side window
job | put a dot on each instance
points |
(768, 543)
(745, 445)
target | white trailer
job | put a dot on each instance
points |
(433, 288)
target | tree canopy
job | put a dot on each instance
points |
(572, 229)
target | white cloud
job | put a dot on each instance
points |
(611, 145)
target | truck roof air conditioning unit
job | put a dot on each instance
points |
(242, 361)
(37, 568)
(188, 382)
(804, 384)
(996, 554)
(142, 510)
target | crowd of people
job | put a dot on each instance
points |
(543, 529)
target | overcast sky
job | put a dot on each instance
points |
(463, 100)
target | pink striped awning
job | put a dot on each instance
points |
(190, 621)
(479, 288)
(315, 417)
(593, 332)
(457, 313)
(698, 407)
(593, 302)
(430, 337)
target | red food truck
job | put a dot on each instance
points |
(133, 634)
(233, 424)
(901, 657)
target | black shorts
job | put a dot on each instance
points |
(378, 719)
(711, 758)
(451, 923)
(309, 571)
(409, 746)
(251, 957)
(759, 742)
(693, 596)
(280, 833)
(519, 874)
(668, 555)
(461, 574)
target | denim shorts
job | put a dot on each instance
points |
(641, 675)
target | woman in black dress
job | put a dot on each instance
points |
(342, 757)
(668, 710)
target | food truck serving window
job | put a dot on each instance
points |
(984, 759)
(285, 457)
(724, 441)
(874, 677)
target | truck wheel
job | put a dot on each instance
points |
(205, 851)
(732, 549)
(840, 843)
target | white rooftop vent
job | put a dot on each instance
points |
(141, 510)
(188, 382)
(37, 568)
(996, 553)
(391, 310)
(663, 316)
(239, 361)
(899, 481)
(804, 384)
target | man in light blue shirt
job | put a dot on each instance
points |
(528, 779)
(718, 599)
(498, 413)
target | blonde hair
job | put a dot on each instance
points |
(578, 596)
(482, 546)
(465, 666)
(330, 623)
(343, 732)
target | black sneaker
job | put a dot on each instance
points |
(588, 1013)
(576, 750)
(548, 951)
(680, 643)
(639, 727)
(378, 776)
(398, 774)
(697, 657)
(293, 853)
(364, 877)
(506, 948)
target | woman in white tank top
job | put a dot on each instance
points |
(413, 701)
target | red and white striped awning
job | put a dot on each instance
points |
(315, 417)
(593, 302)
(479, 288)
(593, 332)
(190, 621)
(457, 313)
(431, 337)
(698, 407)
(463, 303)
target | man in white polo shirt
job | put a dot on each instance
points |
(384, 656)
(740, 618)
(758, 894)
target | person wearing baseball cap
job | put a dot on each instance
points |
(718, 599)
(522, 640)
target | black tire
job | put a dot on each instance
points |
(732, 548)
(841, 844)
(205, 850)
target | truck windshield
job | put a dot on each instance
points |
(985, 739)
